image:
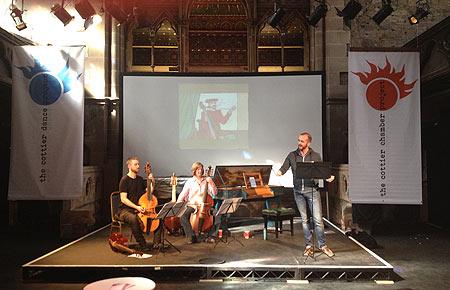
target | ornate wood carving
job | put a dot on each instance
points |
(218, 33)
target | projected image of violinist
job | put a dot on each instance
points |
(213, 118)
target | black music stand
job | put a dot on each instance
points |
(168, 210)
(228, 206)
(313, 170)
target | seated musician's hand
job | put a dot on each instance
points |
(330, 179)
(141, 209)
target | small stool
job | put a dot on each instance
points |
(278, 215)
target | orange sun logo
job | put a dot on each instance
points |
(384, 85)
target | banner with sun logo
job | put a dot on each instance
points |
(47, 123)
(384, 128)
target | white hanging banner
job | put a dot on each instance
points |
(384, 128)
(47, 123)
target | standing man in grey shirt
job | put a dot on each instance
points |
(306, 194)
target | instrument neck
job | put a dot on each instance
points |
(149, 188)
(174, 192)
(173, 183)
(205, 193)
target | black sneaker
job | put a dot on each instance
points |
(193, 240)
(143, 248)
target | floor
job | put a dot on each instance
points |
(286, 250)
(420, 255)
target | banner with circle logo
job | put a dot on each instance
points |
(47, 123)
(384, 127)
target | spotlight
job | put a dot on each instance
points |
(61, 13)
(85, 9)
(422, 10)
(116, 12)
(350, 11)
(275, 19)
(318, 13)
(16, 15)
(384, 12)
(87, 12)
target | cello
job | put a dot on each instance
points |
(173, 223)
(202, 220)
(149, 202)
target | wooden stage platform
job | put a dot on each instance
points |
(90, 258)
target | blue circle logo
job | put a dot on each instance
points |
(45, 89)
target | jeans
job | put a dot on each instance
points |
(311, 197)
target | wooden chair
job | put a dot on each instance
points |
(116, 223)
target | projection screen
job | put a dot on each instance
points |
(174, 120)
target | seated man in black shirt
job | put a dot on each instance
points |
(131, 188)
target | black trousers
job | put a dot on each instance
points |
(133, 220)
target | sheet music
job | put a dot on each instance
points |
(252, 181)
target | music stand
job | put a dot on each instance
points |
(313, 170)
(170, 209)
(228, 206)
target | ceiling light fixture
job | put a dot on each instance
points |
(116, 12)
(16, 15)
(318, 13)
(422, 11)
(350, 11)
(276, 17)
(384, 12)
(61, 13)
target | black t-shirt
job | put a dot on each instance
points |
(134, 187)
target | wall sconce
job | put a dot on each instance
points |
(16, 15)
(61, 13)
(422, 11)
(384, 12)
(318, 13)
(350, 11)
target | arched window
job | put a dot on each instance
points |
(155, 50)
(294, 46)
(269, 50)
(166, 48)
(281, 49)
